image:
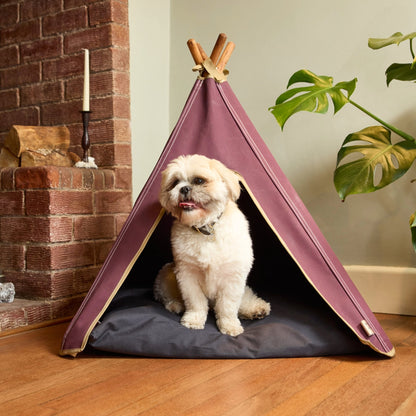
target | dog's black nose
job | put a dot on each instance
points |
(185, 190)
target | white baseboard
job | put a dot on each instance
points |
(386, 289)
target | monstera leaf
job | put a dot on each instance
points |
(401, 72)
(394, 39)
(412, 223)
(376, 148)
(313, 98)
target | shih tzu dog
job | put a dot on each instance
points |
(211, 247)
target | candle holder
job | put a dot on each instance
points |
(85, 143)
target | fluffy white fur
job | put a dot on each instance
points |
(208, 270)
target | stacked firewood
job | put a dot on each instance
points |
(27, 146)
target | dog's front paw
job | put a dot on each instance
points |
(194, 320)
(230, 327)
(261, 310)
(253, 307)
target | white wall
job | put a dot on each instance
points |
(149, 84)
(274, 38)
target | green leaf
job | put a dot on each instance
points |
(375, 150)
(394, 39)
(312, 98)
(412, 223)
(400, 72)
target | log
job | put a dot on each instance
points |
(30, 158)
(37, 138)
(8, 159)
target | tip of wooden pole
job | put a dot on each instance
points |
(193, 48)
(219, 55)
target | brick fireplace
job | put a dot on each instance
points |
(57, 224)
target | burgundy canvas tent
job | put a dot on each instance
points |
(316, 309)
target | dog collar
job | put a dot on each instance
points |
(207, 229)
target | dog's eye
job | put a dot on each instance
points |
(198, 181)
(173, 184)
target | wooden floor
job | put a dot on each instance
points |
(35, 381)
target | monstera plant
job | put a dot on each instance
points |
(368, 160)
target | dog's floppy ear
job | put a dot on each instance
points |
(230, 178)
(163, 197)
(164, 186)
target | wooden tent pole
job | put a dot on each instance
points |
(202, 52)
(219, 45)
(196, 54)
(225, 56)
(199, 55)
(204, 57)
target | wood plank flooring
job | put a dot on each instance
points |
(35, 381)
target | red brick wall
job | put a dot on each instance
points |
(41, 71)
(57, 225)
(56, 229)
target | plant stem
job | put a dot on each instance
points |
(413, 54)
(388, 126)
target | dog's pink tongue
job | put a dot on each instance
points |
(187, 204)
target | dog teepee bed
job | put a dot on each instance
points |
(316, 309)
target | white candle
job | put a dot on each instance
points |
(86, 96)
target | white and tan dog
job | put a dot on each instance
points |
(211, 247)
